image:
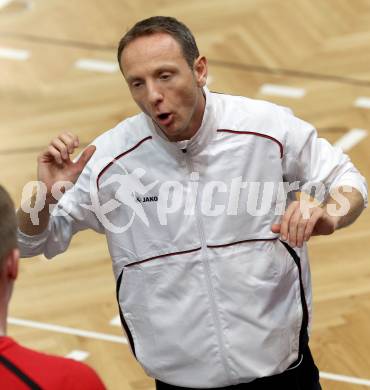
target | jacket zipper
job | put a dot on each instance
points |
(210, 288)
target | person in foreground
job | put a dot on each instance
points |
(20, 367)
(196, 196)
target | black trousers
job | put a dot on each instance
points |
(303, 377)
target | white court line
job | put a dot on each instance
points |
(14, 54)
(343, 378)
(116, 321)
(78, 355)
(97, 65)
(4, 3)
(350, 139)
(282, 90)
(67, 330)
(362, 102)
(118, 339)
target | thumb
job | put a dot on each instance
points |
(275, 228)
(85, 156)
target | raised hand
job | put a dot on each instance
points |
(54, 163)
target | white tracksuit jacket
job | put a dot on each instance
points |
(208, 295)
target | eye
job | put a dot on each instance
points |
(136, 84)
(165, 76)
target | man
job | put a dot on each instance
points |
(213, 291)
(20, 367)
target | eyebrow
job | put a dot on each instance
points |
(165, 68)
(162, 68)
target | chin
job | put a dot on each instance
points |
(172, 131)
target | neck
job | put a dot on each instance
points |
(3, 317)
(3, 312)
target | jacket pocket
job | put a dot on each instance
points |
(257, 292)
(131, 297)
(166, 307)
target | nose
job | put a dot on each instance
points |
(154, 93)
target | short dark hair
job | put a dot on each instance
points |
(162, 24)
(8, 225)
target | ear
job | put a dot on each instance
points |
(201, 70)
(11, 267)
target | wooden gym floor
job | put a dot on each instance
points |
(318, 51)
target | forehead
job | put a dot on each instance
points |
(151, 50)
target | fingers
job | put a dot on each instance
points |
(54, 154)
(58, 145)
(298, 223)
(70, 140)
(284, 229)
(297, 228)
(63, 146)
(60, 149)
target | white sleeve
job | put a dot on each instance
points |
(311, 160)
(67, 218)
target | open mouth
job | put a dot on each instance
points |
(165, 118)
